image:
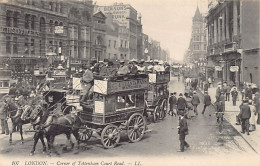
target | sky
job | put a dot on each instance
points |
(167, 21)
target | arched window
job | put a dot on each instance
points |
(42, 24)
(51, 26)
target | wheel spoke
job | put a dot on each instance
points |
(140, 125)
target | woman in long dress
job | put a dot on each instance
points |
(252, 118)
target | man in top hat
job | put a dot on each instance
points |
(195, 101)
(87, 82)
(183, 131)
(181, 104)
(207, 101)
(244, 115)
(172, 102)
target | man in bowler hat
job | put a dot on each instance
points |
(244, 115)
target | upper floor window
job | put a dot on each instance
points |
(115, 44)
(109, 43)
(121, 44)
(32, 47)
(33, 23)
(8, 18)
(26, 45)
(50, 5)
(43, 4)
(26, 24)
(15, 19)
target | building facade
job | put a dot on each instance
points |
(233, 45)
(125, 15)
(55, 31)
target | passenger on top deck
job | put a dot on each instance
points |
(87, 82)
(150, 66)
(141, 67)
(158, 66)
(123, 69)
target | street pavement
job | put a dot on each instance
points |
(162, 141)
(230, 115)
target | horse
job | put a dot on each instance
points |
(66, 124)
(15, 114)
(50, 125)
(37, 116)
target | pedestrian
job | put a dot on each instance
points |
(219, 108)
(248, 92)
(206, 86)
(243, 93)
(3, 117)
(183, 131)
(172, 102)
(252, 118)
(257, 106)
(228, 89)
(207, 101)
(234, 94)
(195, 101)
(222, 99)
(218, 92)
(181, 104)
(244, 115)
(210, 81)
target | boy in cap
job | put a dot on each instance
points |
(172, 102)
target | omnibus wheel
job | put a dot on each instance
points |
(163, 110)
(85, 134)
(156, 114)
(136, 127)
(110, 136)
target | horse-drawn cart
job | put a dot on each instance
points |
(157, 99)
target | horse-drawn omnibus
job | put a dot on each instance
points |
(118, 104)
(157, 97)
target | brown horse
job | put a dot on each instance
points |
(51, 125)
(67, 124)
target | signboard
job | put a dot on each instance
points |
(19, 31)
(128, 85)
(58, 29)
(120, 13)
(234, 68)
(59, 72)
(218, 68)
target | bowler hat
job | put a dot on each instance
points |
(180, 94)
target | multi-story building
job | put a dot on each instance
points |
(32, 31)
(99, 36)
(126, 16)
(198, 43)
(233, 41)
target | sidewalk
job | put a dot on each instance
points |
(230, 115)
